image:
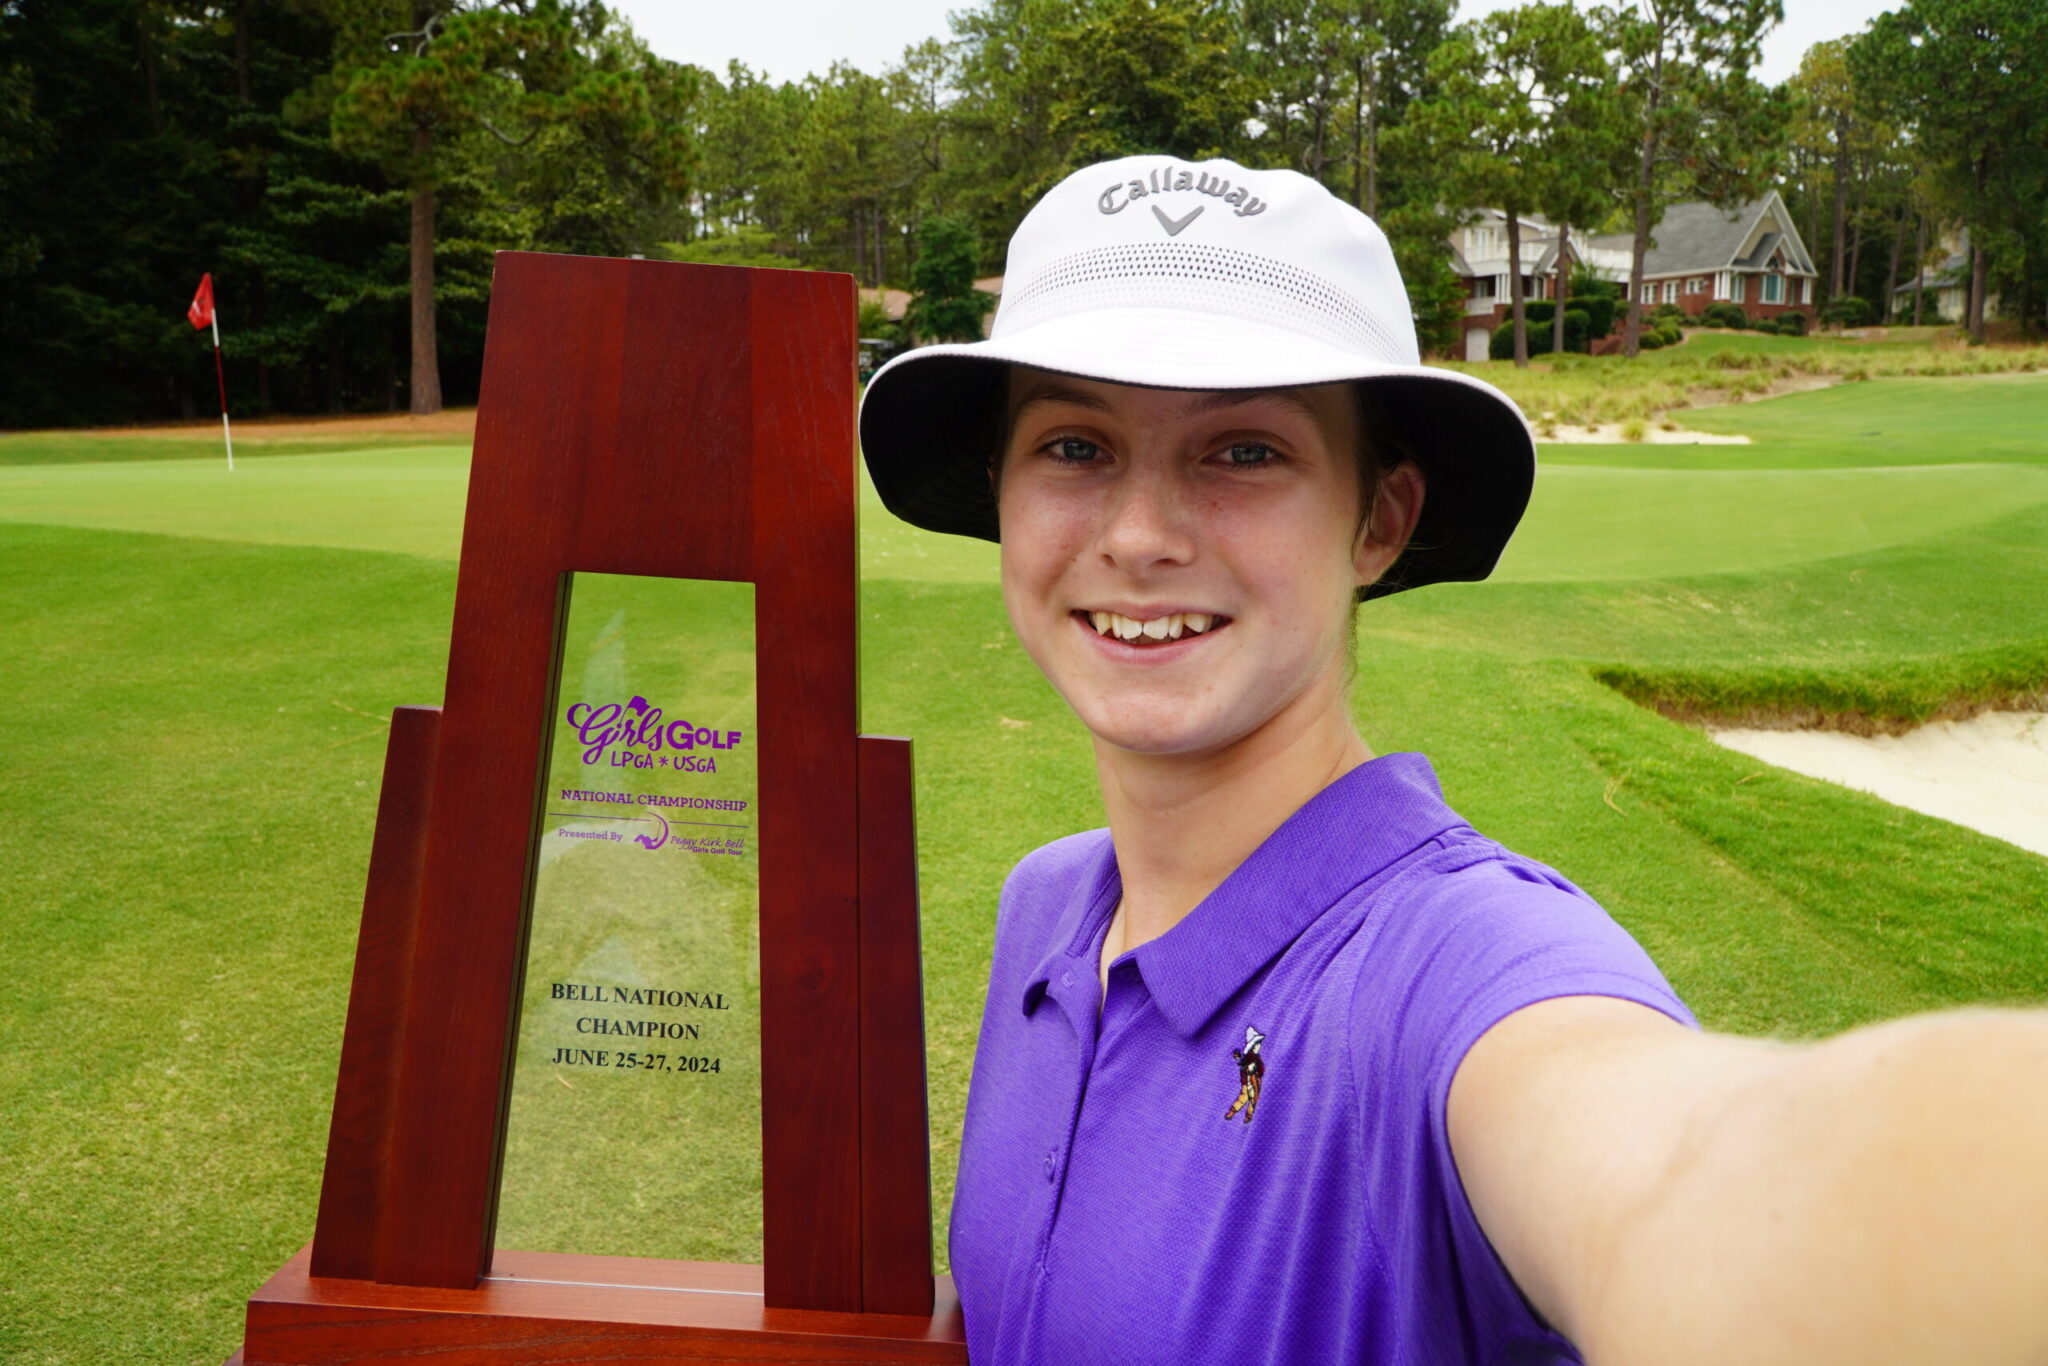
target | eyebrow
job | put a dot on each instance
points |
(1052, 391)
(1220, 399)
(1198, 403)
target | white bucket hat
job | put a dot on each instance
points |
(1169, 274)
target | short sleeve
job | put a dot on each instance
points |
(1464, 941)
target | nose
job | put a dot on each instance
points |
(1147, 522)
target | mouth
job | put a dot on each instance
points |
(1151, 633)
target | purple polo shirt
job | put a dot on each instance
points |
(1108, 1211)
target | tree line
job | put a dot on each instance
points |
(346, 168)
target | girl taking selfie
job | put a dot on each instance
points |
(1289, 1063)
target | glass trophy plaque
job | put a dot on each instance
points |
(635, 1118)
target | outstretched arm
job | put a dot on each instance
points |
(1664, 1196)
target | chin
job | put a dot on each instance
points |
(1159, 730)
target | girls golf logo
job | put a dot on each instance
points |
(635, 734)
(1251, 1073)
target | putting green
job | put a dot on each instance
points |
(1972, 417)
(1590, 523)
(403, 499)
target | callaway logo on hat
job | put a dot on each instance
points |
(1169, 274)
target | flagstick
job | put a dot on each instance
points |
(226, 432)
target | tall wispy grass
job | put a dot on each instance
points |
(1713, 367)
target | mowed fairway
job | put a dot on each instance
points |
(196, 666)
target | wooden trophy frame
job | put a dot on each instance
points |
(677, 421)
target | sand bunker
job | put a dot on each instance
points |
(1614, 433)
(1989, 772)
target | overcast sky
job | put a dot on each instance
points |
(788, 38)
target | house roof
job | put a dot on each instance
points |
(1954, 269)
(1761, 257)
(1698, 238)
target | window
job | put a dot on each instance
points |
(1482, 287)
(1806, 290)
(1649, 294)
(1737, 287)
(1671, 291)
(1774, 289)
(1696, 285)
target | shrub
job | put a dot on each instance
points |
(1930, 309)
(1664, 311)
(1792, 324)
(874, 321)
(1502, 344)
(1724, 314)
(1668, 333)
(1847, 311)
(1599, 311)
(1585, 284)
(1651, 340)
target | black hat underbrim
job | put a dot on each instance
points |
(930, 431)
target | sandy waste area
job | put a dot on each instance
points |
(1989, 772)
(1614, 433)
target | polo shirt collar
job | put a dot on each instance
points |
(1346, 835)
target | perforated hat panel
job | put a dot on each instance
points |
(1200, 278)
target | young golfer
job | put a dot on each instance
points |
(1290, 1064)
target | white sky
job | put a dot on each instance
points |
(788, 38)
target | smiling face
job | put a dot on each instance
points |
(1181, 565)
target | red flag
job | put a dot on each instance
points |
(200, 314)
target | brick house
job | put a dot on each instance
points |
(1752, 256)
(1479, 256)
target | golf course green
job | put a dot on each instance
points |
(197, 667)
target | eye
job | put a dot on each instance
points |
(1249, 454)
(1072, 450)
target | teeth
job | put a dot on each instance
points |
(1172, 626)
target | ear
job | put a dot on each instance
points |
(1382, 536)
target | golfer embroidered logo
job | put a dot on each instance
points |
(1251, 1072)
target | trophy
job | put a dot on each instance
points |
(634, 1061)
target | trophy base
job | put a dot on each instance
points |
(539, 1307)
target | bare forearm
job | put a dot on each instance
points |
(1880, 1197)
